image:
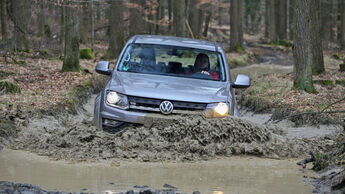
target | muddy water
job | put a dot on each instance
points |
(230, 175)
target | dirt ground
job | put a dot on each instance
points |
(187, 138)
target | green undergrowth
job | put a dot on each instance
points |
(8, 87)
(86, 53)
(324, 82)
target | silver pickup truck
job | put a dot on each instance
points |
(166, 76)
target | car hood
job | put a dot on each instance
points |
(169, 87)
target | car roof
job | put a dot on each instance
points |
(175, 41)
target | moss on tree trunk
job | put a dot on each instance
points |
(307, 49)
(71, 51)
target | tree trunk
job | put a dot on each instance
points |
(62, 23)
(160, 16)
(270, 21)
(193, 18)
(308, 46)
(282, 19)
(136, 17)
(342, 25)
(72, 39)
(334, 16)
(117, 30)
(219, 15)
(233, 24)
(240, 22)
(256, 18)
(236, 32)
(85, 22)
(92, 24)
(326, 19)
(179, 18)
(291, 24)
(207, 22)
(41, 18)
(3, 20)
(170, 12)
(21, 15)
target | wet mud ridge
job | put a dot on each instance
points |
(185, 139)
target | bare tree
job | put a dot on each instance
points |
(342, 25)
(291, 24)
(236, 32)
(282, 19)
(326, 20)
(160, 16)
(270, 21)
(194, 17)
(117, 33)
(179, 7)
(41, 18)
(85, 21)
(20, 17)
(62, 23)
(137, 23)
(308, 46)
(92, 24)
(207, 21)
(72, 39)
(170, 14)
(240, 22)
(3, 16)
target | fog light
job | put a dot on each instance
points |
(217, 110)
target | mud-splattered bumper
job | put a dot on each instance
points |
(114, 115)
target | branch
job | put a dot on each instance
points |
(189, 29)
(332, 104)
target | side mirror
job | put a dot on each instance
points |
(102, 67)
(242, 81)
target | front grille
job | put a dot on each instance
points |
(152, 104)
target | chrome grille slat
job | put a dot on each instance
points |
(151, 104)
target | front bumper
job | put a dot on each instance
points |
(133, 116)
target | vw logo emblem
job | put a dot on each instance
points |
(166, 107)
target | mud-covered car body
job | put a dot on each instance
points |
(138, 93)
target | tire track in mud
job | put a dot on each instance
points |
(186, 139)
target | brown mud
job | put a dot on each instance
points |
(74, 137)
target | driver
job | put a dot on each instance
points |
(202, 65)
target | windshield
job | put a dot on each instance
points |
(173, 61)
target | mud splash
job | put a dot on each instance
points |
(225, 175)
(188, 138)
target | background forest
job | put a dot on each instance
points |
(67, 31)
(293, 51)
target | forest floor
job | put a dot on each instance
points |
(39, 116)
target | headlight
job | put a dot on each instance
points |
(215, 110)
(117, 100)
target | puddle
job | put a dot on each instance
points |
(229, 175)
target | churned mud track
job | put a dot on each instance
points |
(187, 138)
